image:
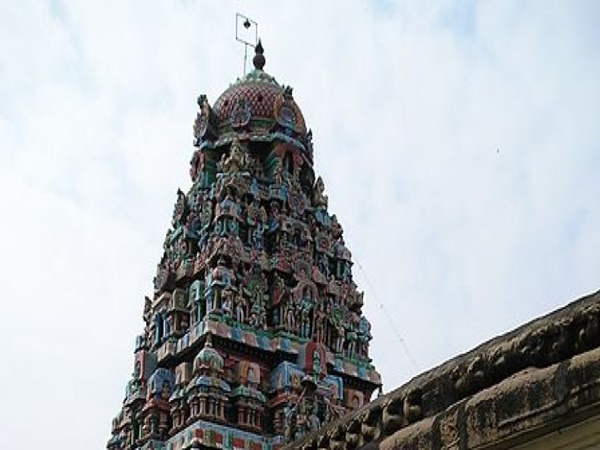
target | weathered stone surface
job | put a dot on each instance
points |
(539, 378)
(450, 424)
(414, 437)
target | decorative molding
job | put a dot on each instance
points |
(506, 390)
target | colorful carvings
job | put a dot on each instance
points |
(255, 326)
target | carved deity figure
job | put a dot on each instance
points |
(278, 173)
(228, 212)
(314, 423)
(340, 336)
(203, 104)
(300, 238)
(227, 303)
(165, 391)
(147, 308)
(277, 293)
(258, 317)
(289, 423)
(137, 370)
(273, 218)
(258, 310)
(181, 209)
(316, 365)
(300, 430)
(323, 265)
(364, 336)
(236, 161)
(220, 278)
(319, 197)
(346, 272)
(306, 304)
(336, 228)
(290, 315)
(195, 300)
(351, 338)
(240, 308)
(197, 166)
(319, 327)
(256, 237)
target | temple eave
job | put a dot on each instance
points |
(512, 390)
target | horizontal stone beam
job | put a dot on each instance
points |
(541, 376)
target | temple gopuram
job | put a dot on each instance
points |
(254, 336)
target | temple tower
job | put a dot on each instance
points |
(254, 335)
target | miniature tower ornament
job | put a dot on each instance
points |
(254, 335)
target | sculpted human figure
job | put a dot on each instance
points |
(240, 308)
(351, 338)
(181, 209)
(289, 425)
(147, 308)
(301, 424)
(314, 423)
(236, 161)
(257, 236)
(290, 316)
(305, 308)
(364, 336)
(319, 197)
(278, 173)
(262, 318)
(319, 328)
(165, 391)
(206, 215)
(339, 337)
(277, 299)
(258, 317)
(323, 265)
(336, 228)
(228, 210)
(221, 278)
(203, 105)
(227, 304)
(296, 173)
(258, 309)
(196, 164)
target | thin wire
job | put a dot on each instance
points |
(389, 318)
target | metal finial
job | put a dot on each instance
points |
(246, 32)
(259, 58)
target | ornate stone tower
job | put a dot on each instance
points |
(254, 335)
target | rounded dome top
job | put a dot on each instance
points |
(257, 88)
(258, 99)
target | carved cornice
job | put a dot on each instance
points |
(534, 356)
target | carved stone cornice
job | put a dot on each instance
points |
(526, 380)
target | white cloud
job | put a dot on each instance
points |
(458, 143)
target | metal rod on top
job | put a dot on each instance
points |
(246, 32)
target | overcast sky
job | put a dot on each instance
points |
(459, 142)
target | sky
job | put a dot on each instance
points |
(458, 140)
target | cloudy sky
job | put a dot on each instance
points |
(459, 142)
